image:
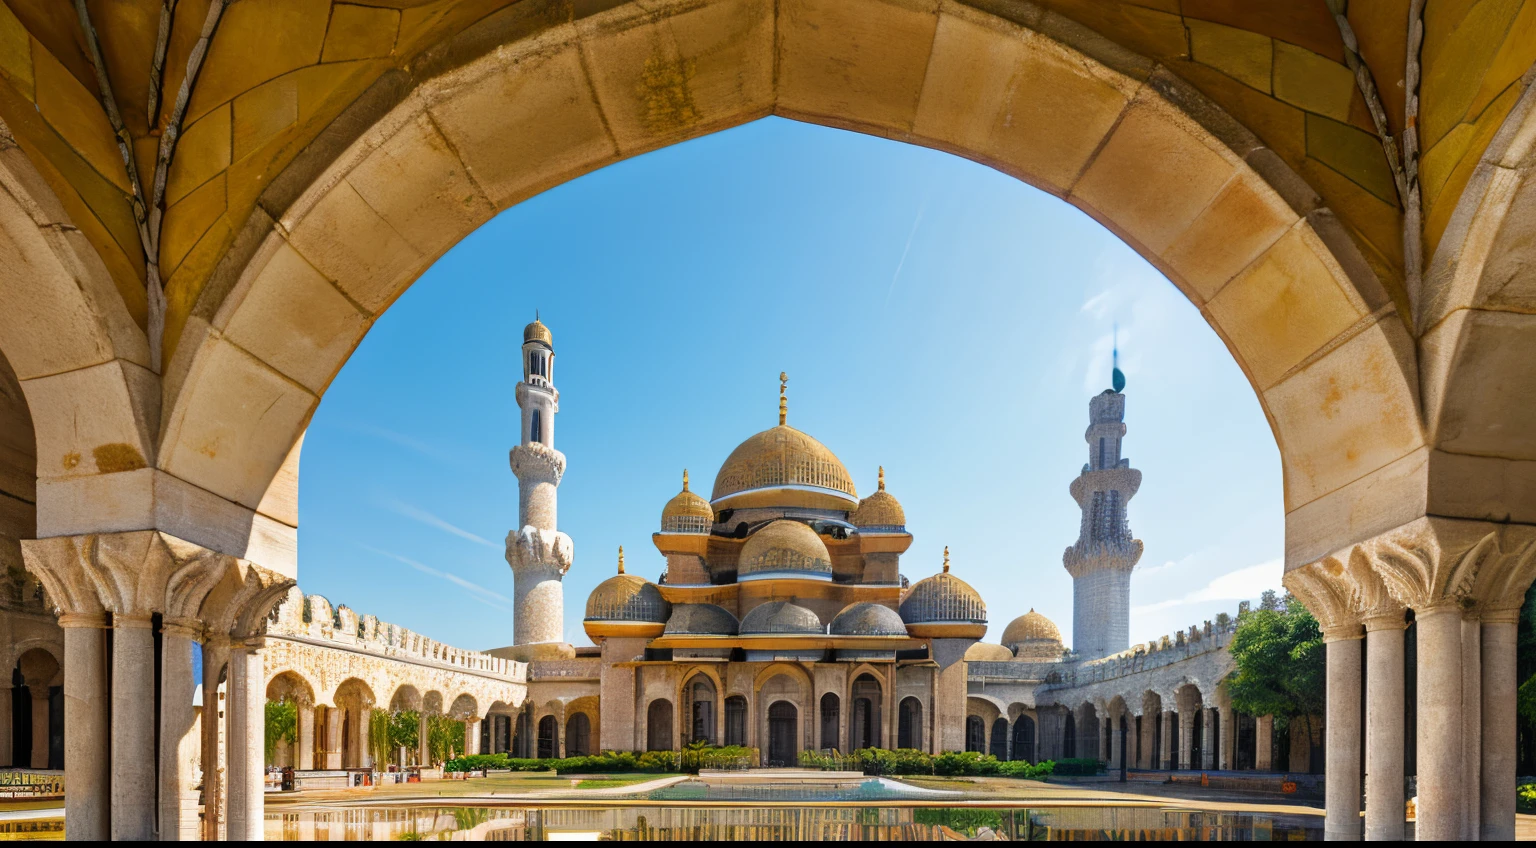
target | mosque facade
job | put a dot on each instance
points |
(782, 621)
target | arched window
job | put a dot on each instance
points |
(864, 721)
(578, 736)
(736, 720)
(1101, 452)
(1000, 738)
(658, 726)
(831, 715)
(1070, 736)
(536, 430)
(701, 710)
(909, 724)
(1024, 739)
(975, 734)
(549, 746)
(783, 734)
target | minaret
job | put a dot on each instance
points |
(1101, 561)
(538, 553)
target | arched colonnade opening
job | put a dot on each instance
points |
(34, 707)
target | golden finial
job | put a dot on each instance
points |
(946, 559)
(621, 560)
(685, 479)
(882, 478)
(783, 401)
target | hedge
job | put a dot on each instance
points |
(613, 762)
(908, 761)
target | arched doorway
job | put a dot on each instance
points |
(864, 721)
(1069, 736)
(578, 736)
(909, 723)
(37, 712)
(736, 720)
(658, 725)
(831, 719)
(1000, 738)
(700, 693)
(975, 734)
(783, 728)
(1024, 739)
(549, 743)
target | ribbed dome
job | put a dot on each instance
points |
(626, 605)
(781, 457)
(987, 652)
(687, 512)
(944, 606)
(784, 549)
(868, 619)
(537, 332)
(780, 617)
(701, 620)
(1031, 627)
(880, 511)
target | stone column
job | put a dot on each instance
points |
(1228, 742)
(1385, 804)
(471, 737)
(1264, 743)
(133, 728)
(214, 762)
(247, 726)
(333, 740)
(1441, 805)
(87, 807)
(1208, 740)
(1342, 821)
(1133, 741)
(1165, 749)
(39, 726)
(1498, 726)
(178, 718)
(423, 754)
(1116, 747)
(1186, 738)
(304, 756)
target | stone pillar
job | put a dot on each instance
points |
(1497, 814)
(178, 719)
(304, 755)
(471, 737)
(1133, 741)
(247, 726)
(214, 761)
(333, 741)
(87, 807)
(39, 726)
(1208, 740)
(1385, 804)
(1342, 821)
(1472, 724)
(1116, 747)
(133, 728)
(1441, 805)
(1264, 743)
(1186, 738)
(1165, 752)
(1228, 741)
(423, 752)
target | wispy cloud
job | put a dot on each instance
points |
(431, 520)
(906, 249)
(424, 448)
(477, 591)
(1243, 584)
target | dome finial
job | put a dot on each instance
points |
(783, 401)
(946, 559)
(882, 478)
(621, 559)
(1116, 376)
(685, 479)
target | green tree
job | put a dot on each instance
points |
(282, 725)
(378, 738)
(1279, 653)
(404, 730)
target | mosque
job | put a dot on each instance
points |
(783, 622)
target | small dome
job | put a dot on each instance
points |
(779, 618)
(687, 512)
(987, 652)
(626, 605)
(880, 511)
(701, 620)
(1031, 627)
(944, 606)
(537, 332)
(868, 619)
(782, 457)
(784, 549)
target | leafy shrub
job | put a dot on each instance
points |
(966, 820)
(1525, 797)
(964, 763)
(1026, 771)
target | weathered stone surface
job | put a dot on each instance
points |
(1352, 152)
(854, 62)
(359, 32)
(263, 113)
(350, 243)
(109, 406)
(1313, 82)
(1482, 412)
(202, 152)
(1245, 56)
(1244, 220)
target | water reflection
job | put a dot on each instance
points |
(873, 823)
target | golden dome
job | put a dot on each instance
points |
(784, 549)
(987, 652)
(781, 618)
(687, 512)
(537, 332)
(880, 511)
(1031, 627)
(626, 605)
(784, 458)
(944, 606)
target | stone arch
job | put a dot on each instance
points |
(290, 683)
(405, 697)
(33, 739)
(52, 647)
(1268, 267)
(699, 718)
(783, 683)
(464, 708)
(658, 725)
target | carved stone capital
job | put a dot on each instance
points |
(536, 463)
(1325, 590)
(531, 548)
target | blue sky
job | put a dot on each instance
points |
(934, 316)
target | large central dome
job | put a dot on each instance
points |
(783, 467)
